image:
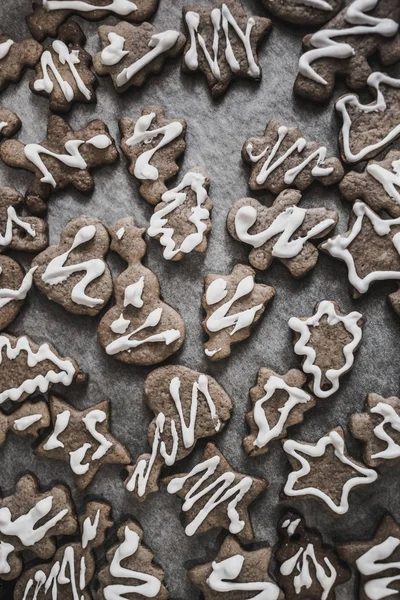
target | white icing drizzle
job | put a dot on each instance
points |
(12, 217)
(119, 7)
(41, 382)
(225, 489)
(320, 4)
(199, 214)
(389, 180)
(120, 325)
(25, 422)
(374, 81)
(224, 572)
(296, 449)
(338, 246)
(325, 46)
(295, 396)
(56, 272)
(90, 529)
(286, 224)
(350, 323)
(298, 146)
(391, 417)
(114, 53)
(92, 418)
(76, 458)
(371, 563)
(142, 134)
(73, 159)
(140, 477)
(220, 17)
(8, 295)
(61, 424)
(5, 550)
(3, 125)
(291, 526)
(25, 527)
(5, 48)
(65, 57)
(120, 233)
(159, 43)
(150, 586)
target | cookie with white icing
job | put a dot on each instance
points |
(369, 128)
(131, 53)
(48, 15)
(278, 402)
(304, 12)
(368, 249)
(18, 232)
(10, 123)
(31, 520)
(27, 420)
(152, 144)
(233, 305)
(74, 273)
(378, 185)
(283, 158)
(140, 328)
(376, 561)
(16, 57)
(72, 568)
(27, 367)
(327, 341)
(222, 43)
(82, 438)
(215, 495)
(283, 230)
(236, 573)
(181, 221)
(63, 74)
(14, 287)
(361, 30)
(325, 472)
(378, 428)
(188, 406)
(65, 158)
(308, 568)
(130, 568)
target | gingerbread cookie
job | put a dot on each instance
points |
(378, 428)
(30, 520)
(188, 406)
(15, 58)
(235, 573)
(138, 575)
(368, 249)
(247, 299)
(317, 462)
(304, 12)
(130, 54)
(364, 28)
(222, 43)
(152, 159)
(14, 287)
(377, 561)
(308, 569)
(63, 74)
(328, 341)
(26, 367)
(369, 128)
(17, 232)
(10, 123)
(27, 420)
(65, 158)
(73, 566)
(74, 273)
(278, 402)
(282, 231)
(377, 185)
(50, 14)
(283, 158)
(181, 221)
(215, 495)
(82, 438)
(140, 328)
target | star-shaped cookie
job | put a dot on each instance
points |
(215, 495)
(82, 439)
